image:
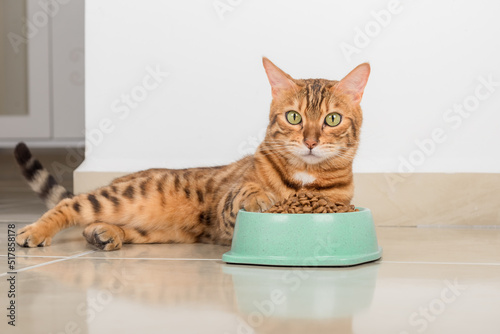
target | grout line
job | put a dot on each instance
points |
(452, 263)
(114, 258)
(50, 262)
(41, 256)
(62, 258)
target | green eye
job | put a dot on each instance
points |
(333, 119)
(293, 117)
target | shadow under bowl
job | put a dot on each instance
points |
(317, 239)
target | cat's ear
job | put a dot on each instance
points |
(354, 83)
(279, 80)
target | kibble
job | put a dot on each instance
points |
(309, 202)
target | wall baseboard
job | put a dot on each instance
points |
(430, 199)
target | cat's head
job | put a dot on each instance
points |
(315, 121)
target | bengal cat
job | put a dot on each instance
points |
(310, 143)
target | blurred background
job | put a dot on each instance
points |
(42, 73)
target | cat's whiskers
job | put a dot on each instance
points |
(277, 144)
(270, 151)
(276, 147)
(276, 141)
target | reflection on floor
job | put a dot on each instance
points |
(429, 281)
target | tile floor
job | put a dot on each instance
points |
(428, 281)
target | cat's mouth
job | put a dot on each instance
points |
(311, 157)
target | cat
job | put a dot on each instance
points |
(310, 143)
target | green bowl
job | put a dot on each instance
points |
(317, 239)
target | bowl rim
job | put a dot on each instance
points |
(361, 209)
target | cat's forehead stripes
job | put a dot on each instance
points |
(315, 92)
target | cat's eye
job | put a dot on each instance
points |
(333, 119)
(293, 117)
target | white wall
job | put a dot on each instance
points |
(67, 51)
(215, 100)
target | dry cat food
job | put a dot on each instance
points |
(308, 202)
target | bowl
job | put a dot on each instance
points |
(317, 239)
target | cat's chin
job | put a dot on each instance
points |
(312, 159)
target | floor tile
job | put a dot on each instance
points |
(212, 297)
(94, 295)
(165, 251)
(414, 298)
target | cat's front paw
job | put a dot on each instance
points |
(34, 235)
(104, 236)
(259, 202)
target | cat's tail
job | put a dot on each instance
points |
(39, 179)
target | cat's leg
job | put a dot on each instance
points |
(250, 197)
(258, 201)
(65, 214)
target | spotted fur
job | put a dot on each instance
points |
(201, 204)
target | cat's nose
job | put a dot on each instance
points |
(310, 143)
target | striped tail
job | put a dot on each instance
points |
(39, 178)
